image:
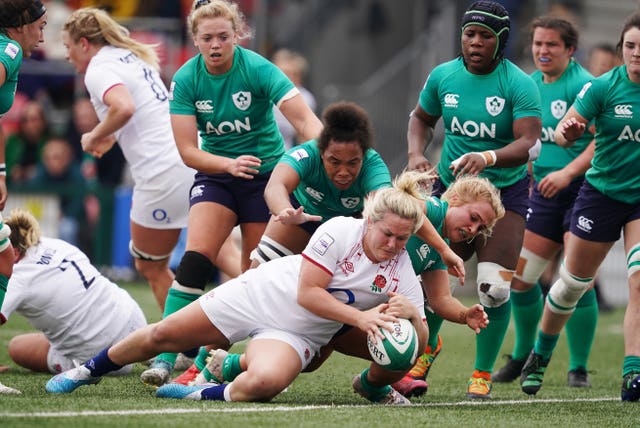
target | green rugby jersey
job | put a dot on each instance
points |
(319, 196)
(11, 59)
(423, 257)
(234, 111)
(478, 112)
(614, 101)
(556, 98)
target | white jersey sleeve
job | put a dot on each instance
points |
(333, 240)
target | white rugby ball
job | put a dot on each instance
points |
(399, 348)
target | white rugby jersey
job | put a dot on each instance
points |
(62, 294)
(271, 289)
(147, 138)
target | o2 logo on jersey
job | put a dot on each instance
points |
(494, 105)
(160, 215)
(242, 100)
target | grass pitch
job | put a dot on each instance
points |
(325, 398)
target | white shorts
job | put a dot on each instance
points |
(232, 312)
(57, 362)
(163, 203)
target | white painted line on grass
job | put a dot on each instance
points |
(268, 408)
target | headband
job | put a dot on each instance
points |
(492, 16)
(30, 14)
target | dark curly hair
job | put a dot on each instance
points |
(345, 122)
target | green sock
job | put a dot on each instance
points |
(4, 281)
(434, 322)
(545, 344)
(201, 359)
(527, 311)
(176, 300)
(631, 364)
(489, 341)
(231, 367)
(376, 393)
(581, 330)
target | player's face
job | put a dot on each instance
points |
(631, 53)
(550, 55)
(342, 162)
(33, 35)
(465, 222)
(216, 40)
(76, 52)
(386, 238)
(478, 48)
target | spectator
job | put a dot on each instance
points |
(295, 67)
(60, 172)
(602, 58)
(24, 149)
(107, 169)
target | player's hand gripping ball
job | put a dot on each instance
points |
(399, 348)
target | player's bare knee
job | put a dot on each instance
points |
(566, 291)
(494, 284)
(264, 384)
(15, 348)
(160, 336)
(268, 249)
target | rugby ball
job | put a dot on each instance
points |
(399, 348)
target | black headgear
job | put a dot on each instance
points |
(11, 17)
(492, 16)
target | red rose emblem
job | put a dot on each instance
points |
(380, 281)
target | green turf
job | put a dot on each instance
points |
(325, 398)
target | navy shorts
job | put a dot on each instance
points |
(598, 218)
(243, 197)
(551, 217)
(514, 197)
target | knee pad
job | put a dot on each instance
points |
(5, 232)
(268, 249)
(494, 284)
(530, 267)
(633, 260)
(566, 291)
(144, 256)
(194, 271)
